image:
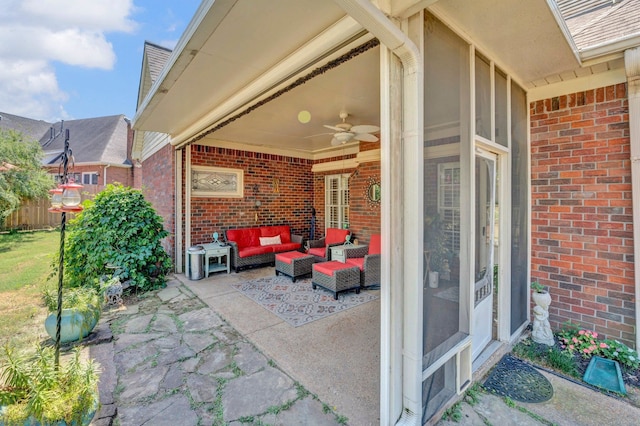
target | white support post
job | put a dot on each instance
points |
(632, 68)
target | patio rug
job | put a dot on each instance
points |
(297, 303)
(519, 381)
(451, 294)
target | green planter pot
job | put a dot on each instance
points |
(73, 326)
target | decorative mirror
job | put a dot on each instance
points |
(373, 192)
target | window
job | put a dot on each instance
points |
(75, 176)
(336, 201)
(90, 178)
(449, 203)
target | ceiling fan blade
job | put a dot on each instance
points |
(365, 137)
(335, 142)
(337, 129)
(365, 128)
(318, 134)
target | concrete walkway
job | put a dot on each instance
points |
(201, 353)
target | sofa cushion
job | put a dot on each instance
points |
(244, 237)
(271, 231)
(374, 244)
(255, 251)
(356, 261)
(269, 241)
(329, 268)
(335, 235)
(288, 256)
(317, 251)
(286, 247)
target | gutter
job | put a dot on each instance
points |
(400, 370)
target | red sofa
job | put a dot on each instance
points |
(259, 245)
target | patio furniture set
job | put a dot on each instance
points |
(334, 265)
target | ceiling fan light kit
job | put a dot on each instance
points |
(347, 132)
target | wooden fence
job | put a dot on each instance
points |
(35, 215)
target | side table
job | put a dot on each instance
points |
(221, 253)
(339, 253)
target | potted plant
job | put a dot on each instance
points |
(437, 249)
(540, 295)
(81, 308)
(34, 392)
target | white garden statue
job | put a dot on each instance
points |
(541, 328)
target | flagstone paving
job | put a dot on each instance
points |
(173, 361)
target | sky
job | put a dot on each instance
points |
(72, 59)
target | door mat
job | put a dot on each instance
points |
(519, 381)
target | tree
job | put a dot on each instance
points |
(21, 174)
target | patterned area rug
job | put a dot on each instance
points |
(451, 294)
(297, 303)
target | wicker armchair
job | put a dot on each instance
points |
(367, 258)
(321, 249)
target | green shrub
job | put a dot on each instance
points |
(622, 353)
(118, 229)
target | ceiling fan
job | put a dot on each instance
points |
(346, 132)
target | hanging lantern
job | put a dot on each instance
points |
(56, 199)
(71, 197)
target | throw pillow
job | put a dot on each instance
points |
(269, 241)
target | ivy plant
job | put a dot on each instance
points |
(119, 233)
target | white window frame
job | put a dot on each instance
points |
(342, 204)
(91, 175)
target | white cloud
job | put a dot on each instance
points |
(35, 32)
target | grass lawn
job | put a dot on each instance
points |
(25, 264)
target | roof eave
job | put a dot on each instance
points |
(185, 50)
(617, 46)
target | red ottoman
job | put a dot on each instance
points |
(293, 264)
(336, 277)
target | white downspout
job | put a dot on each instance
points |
(105, 175)
(409, 287)
(632, 68)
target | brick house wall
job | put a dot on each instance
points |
(364, 216)
(288, 202)
(582, 235)
(158, 188)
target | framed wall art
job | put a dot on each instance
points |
(217, 182)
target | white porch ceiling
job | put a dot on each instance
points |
(236, 42)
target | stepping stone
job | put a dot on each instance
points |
(248, 359)
(164, 323)
(200, 320)
(171, 411)
(168, 293)
(138, 324)
(248, 395)
(141, 384)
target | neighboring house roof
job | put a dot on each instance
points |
(32, 129)
(598, 22)
(92, 140)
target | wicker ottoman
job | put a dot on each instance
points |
(336, 277)
(293, 264)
